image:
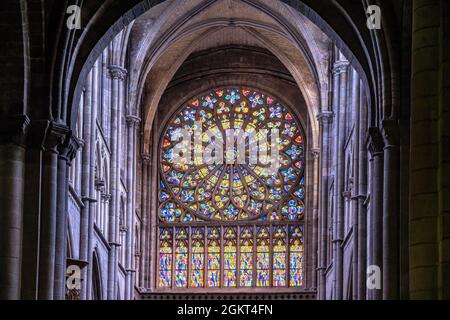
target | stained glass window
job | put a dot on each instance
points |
(198, 257)
(214, 257)
(231, 193)
(230, 256)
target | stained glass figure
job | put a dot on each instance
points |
(230, 256)
(214, 257)
(246, 257)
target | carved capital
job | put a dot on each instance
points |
(106, 197)
(146, 159)
(133, 121)
(99, 184)
(375, 143)
(315, 153)
(14, 129)
(340, 67)
(347, 194)
(325, 117)
(117, 72)
(391, 133)
(69, 149)
(55, 136)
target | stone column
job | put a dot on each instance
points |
(340, 72)
(154, 206)
(356, 106)
(146, 162)
(87, 176)
(325, 119)
(118, 76)
(67, 153)
(391, 211)
(47, 246)
(92, 196)
(132, 123)
(12, 176)
(362, 197)
(32, 209)
(376, 147)
(429, 175)
(313, 223)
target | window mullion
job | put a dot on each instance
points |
(271, 257)
(189, 257)
(287, 257)
(254, 258)
(205, 273)
(174, 255)
(222, 258)
(238, 256)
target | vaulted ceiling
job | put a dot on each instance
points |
(163, 38)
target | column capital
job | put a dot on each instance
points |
(325, 117)
(132, 121)
(347, 194)
(99, 184)
(146, 158)
(315, 153)
(106, 197)
(391, 132)
(340, 67)
(13, 129)
(375, 143)
(88, 199)
(55, 136)
(117, 72)
(68, 150)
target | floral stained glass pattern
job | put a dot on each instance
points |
(231, 224)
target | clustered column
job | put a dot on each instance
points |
(340, 72)
(376, 146)
(132, 123)
(118, 76)
(145, 228)
(325, 120)
(12, 183)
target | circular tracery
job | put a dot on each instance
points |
(232, 191)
